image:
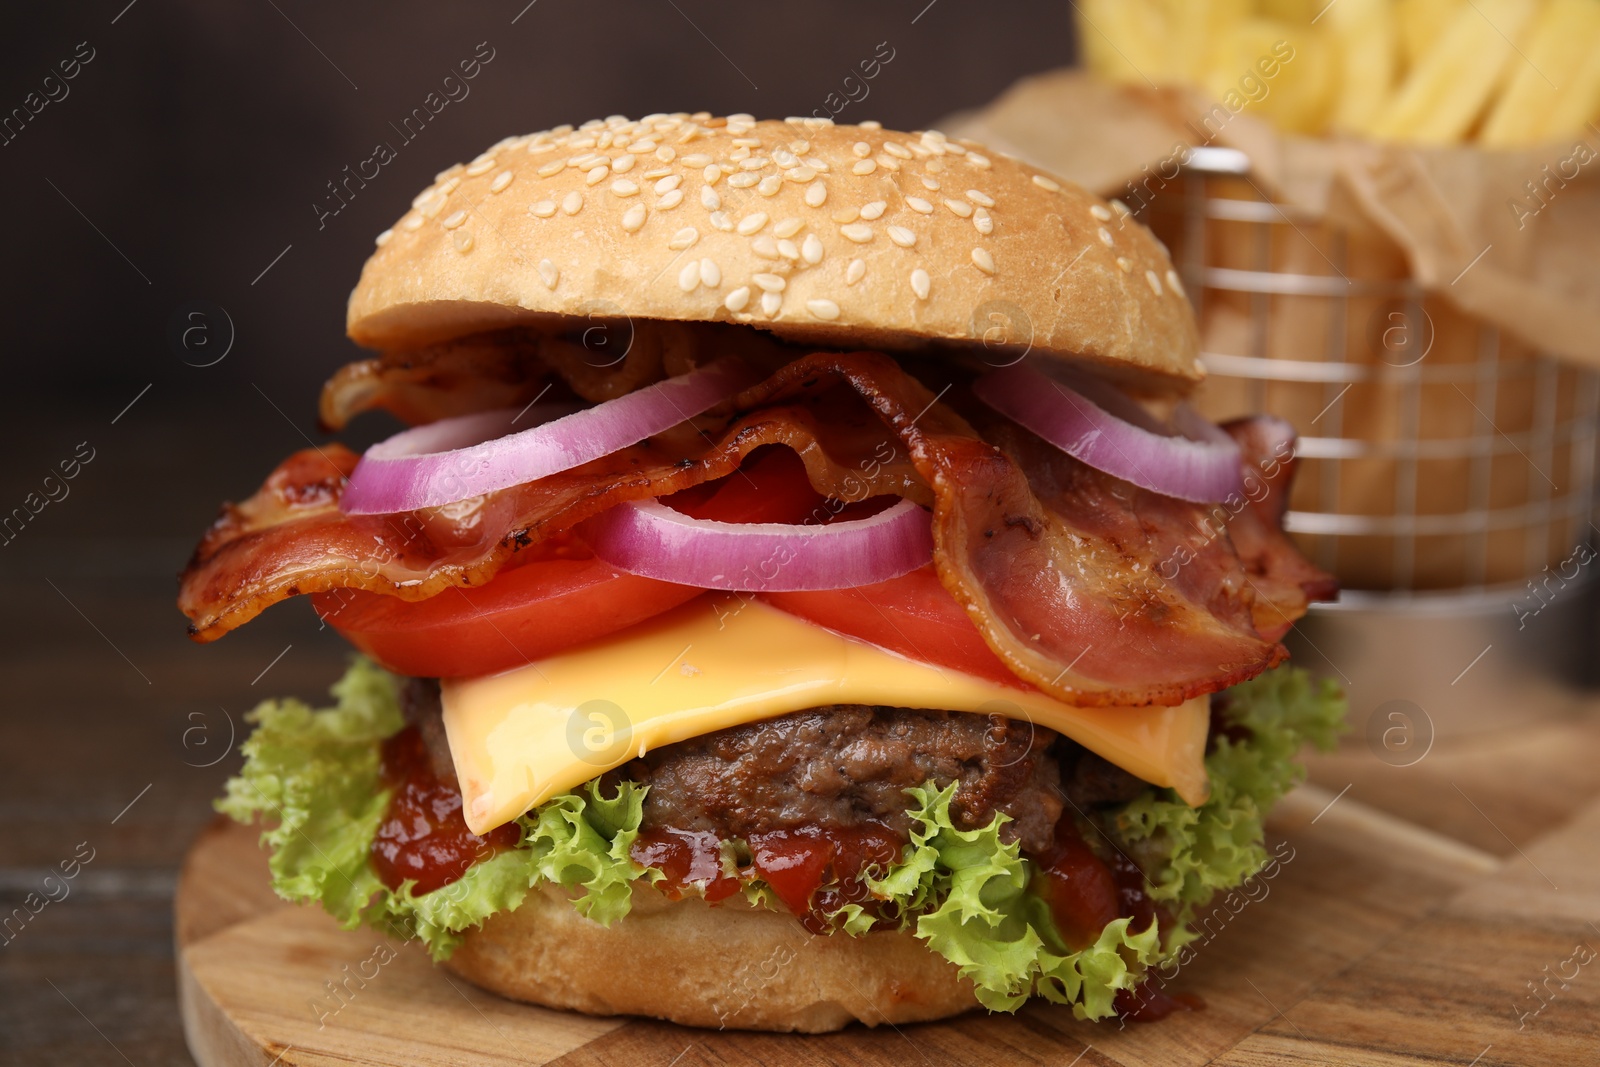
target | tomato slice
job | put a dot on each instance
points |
(913, 615)
(530, 611)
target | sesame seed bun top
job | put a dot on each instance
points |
(843, 236)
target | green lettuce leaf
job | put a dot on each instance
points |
(314, 776)
(1218, 845)
(977, 912)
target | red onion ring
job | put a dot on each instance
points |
(1097, 425)
(450, 460)
(646, 537)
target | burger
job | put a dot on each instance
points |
(801, 595)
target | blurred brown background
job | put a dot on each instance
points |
(177, 172)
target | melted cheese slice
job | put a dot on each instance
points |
(524, 736)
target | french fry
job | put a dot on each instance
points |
(1545, 98)
(1421, 23)
(1294, 12)
(1122, 40)
(1579, 102)
(1445, 93)
(1297, 96)
(1192, 28)
(1368, 48)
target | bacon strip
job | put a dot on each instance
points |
(1051, 558)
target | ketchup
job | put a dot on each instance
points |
(1147, 1004)
(817, 871)
(423, 836)
(1086, 892)
(686, 858)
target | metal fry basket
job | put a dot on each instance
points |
(1447, 471)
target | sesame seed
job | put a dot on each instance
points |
(770, 303)
(799, 148)
(983, 260)
(623, 187)
(917, 204)
(462, 239)
(959, 207)
(591, 161)
(800, 174)
(745, 142)
(710, 273)
(787, 227)
(846, 214)
(1125, 263)
(788, 250)
(712, 174)
(720, 220)
(873, 210)
(548, 272)
(896, 149)
(921, 283)
(543, 209)
(765, 246)
(669, 183)
(697, 160)
(1105, 237)
(855, 272)
(981, 199)
(572, 203)
(501, 180)
(744, 180)
(689, 276)
(887, 162)
(823, 309)
(771, 283)
(983, 222)
(784, 158)
(644, 146)
(1121, 209)
(737, 299)
(751, 223)
(816, 194)
(432, 208)
(539, 148)
(902, 236)
(411, 222)
(454, 219)
(811, 249)
(954, 149)
(754, 164)
(977, 160)
(870, 124)
(1101, 213)
(1173, 283)
(818, 165)
(863, 166)
(683, 238)
(623, 163)
(740, 154)
(861, 149)
(1154, 280)
(427, 196)
(859, 232)
(383, 238)
(597, 175)
(480, 166)
(770, 185)
(550, 170)
(633, 218)
(670, 200)
(666, 153)
(709, 197)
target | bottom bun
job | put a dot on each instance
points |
(732, 965)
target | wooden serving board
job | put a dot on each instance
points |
(1378, 942)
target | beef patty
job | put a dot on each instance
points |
(846, 765)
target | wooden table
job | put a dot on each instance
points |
(1421, 905)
